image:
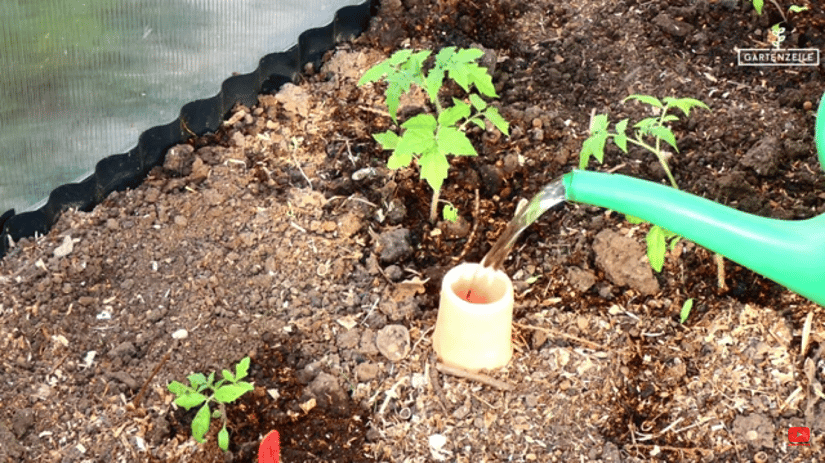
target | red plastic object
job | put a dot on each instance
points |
(270, 449)
(475, 297)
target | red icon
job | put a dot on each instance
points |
(799, 435)
(270, 449)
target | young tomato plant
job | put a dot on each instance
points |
(658, 239)
(428, 138)
(223, 392)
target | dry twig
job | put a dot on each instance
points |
(478, 377)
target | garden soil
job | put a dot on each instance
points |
(283, 237)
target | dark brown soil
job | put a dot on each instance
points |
(284, 237)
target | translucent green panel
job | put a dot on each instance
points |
(81, 79)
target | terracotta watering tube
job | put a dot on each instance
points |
(789, 252)
(475, 315)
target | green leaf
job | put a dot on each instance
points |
(434, 81)
(495, 118)
(190, 400)
(646, 124)
(757, 5)
(598, 123)
(454, 141)
(242, 368)
(375, 73)
(593, 146)
(230, 392)
(468, 55)
(479, 76)
(196, 380)
(797, 9)
(647, 99)
(669, 118)
(227, 375)
(398, 160)
(223, 439)
(425, 122)
(685, 104)
(388, 140)
(656, 247)
(478, 103)
(621, 142)
(633, 219)
(450, 213)
(434, 167)
(621, 127)
(179, 388)
(685, 312)
(665, 134)
(454, 113)
(200, 424)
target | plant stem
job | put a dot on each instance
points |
(434, 205)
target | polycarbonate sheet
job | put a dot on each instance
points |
(81, 79)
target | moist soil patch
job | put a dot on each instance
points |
(285, 238)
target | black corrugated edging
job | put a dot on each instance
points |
(121, 171)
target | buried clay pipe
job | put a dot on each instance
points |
(789, 252)
(475, 317)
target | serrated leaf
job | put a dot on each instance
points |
(479, 77)
(593, 146)
(598, 123)
(434, 167)
(444, 57)
(230, 392)
(685, 104)
(399, 57)
(196, 379)
(374, 73)
(223, 439)
(665, 134)
(621, 142)
(656, 248)
(178, 388)
(393, 99)
(501, 124)
(421, 121)
(454, 141)
(461, 76)
(646, 99)
(242, 368)
(685, 312)
(621, 127)
(415, 142)
(633, 219)
(200, 424)
(478, 103)
(466, 55)
(454, 113)
(388, 140)
(399, 160)
(669, 118)
(191, 399)
(434, 81)
(227, 375)
(645, 124)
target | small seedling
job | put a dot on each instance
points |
(450, 213)
(428, 138)
(685, 312)
(658, 239)
(224, 391)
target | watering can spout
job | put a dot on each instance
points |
(791, 253)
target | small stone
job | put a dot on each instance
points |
(112, 224)
(366, 371)
(180, 334)
(22, 421)
(394, 245)
(180, 221)
(393, 341)
(65, 248)
(126, 379)
(807, 106)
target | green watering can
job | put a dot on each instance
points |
(789, 252)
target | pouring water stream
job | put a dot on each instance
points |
(551, 195)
